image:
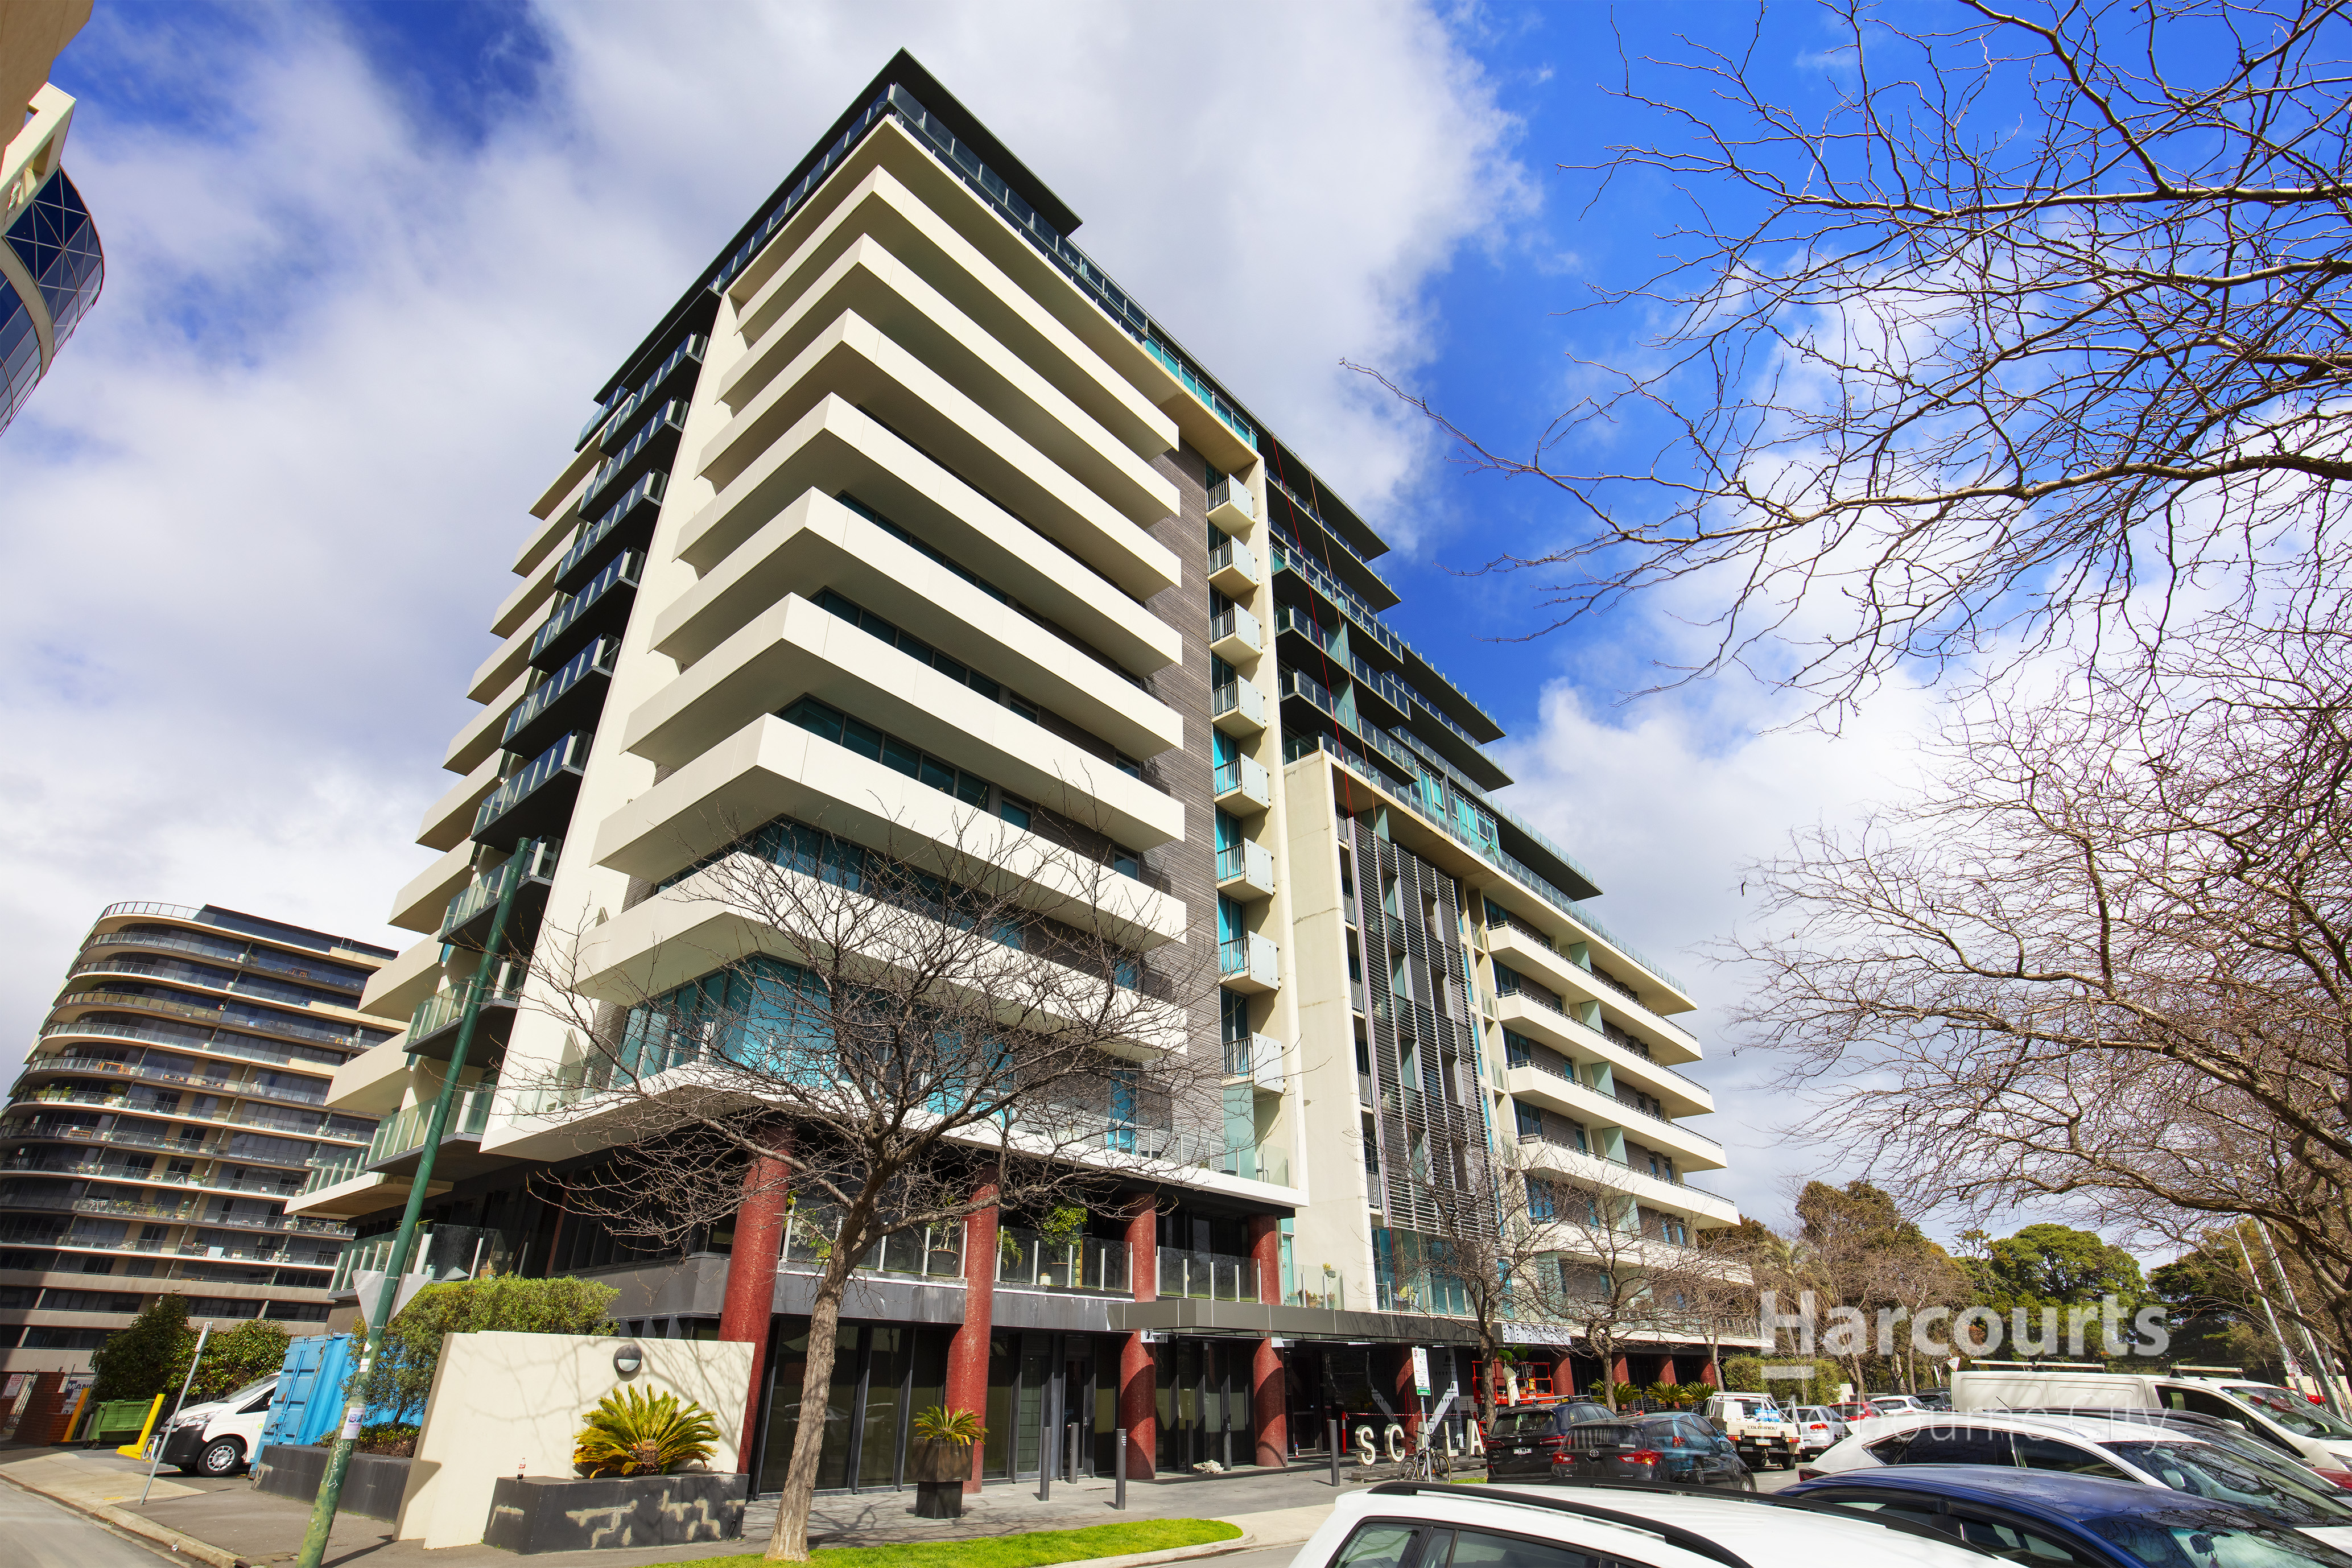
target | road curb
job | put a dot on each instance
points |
(1245, 1541)
(122, 1521)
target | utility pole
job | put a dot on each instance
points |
(339, 1461)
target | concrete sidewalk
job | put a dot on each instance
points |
(229, 1524)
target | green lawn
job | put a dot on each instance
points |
(1029, 1551)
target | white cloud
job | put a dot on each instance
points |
(257, 517)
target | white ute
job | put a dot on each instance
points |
(1758, 1426)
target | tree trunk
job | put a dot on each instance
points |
(788, 1542)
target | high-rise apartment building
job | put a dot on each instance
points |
(51, 266)
(175, 1100)
(904, 511)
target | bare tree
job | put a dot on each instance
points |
(1503, 1261)
(1619, 1282)
(2028, 319)
(2107, 957)
(903, 1036)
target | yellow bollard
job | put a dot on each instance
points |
(134, 1451)
(74, 1420)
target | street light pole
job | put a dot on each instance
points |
(339, 1461)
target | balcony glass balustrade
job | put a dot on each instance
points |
(403, 1133)
(70, 1061)
(668, 420)
(351, 1038)
(481, 895)
(344, 1167)
(645, 493)
(568, 755)
(259, 1121)
(1026, 1260)
(1428, 1295)
(934, 1252)
(242, 955)
(621, 573)
(612, 418)
(1207, 1276)
(596, 661)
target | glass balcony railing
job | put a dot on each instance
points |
(484, 891)
(568, 756)
(342, 1168)
(1207, 1276)
(404, 1132)
(595, 659)
(648, 491)
(263, 959)
(144, 1072)
(1233, 555)
(670, 417)
(623, 572)
(1230, 491)
(1427, 1294)
(443, 1008)
(615, 414)
(101, 996)
(1025, 1258)
(935, 1252)
(221, 1044)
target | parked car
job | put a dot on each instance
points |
(220, 1436)
(1818, 1426)
(1935, 1398)
(2212, 1428)
(1756, 1427)
(1669, 1449)
(2286, 1420)
(2273, 1487)
(1419, 1524)
(1523, 1439)
(1893, 1404)
(2053, 1518)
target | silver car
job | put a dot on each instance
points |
(1818, 1426)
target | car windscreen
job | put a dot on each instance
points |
(258, 1386)
(2207, 1470)
(2179, 1537)
(2291, 1410)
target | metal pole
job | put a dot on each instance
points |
(339, 1461)
(1334, 1450)
(1118, 1492)
(2286, 1352)
(2320, 1363)
(1073, 1471)
(202, 1335)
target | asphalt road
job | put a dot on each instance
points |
(37, 1533)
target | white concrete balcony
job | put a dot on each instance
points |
(1245, 870)
(1235, 636)
(418, 906)
(1524, 1015)
(867, 280)
(1249, 963)
(1242, 787)
(1233, 570)
(1231, 508)
(818, 541)
(1691, 1149)
(796, 649)
(1238, 708)
(691, 930)
(479, 736)
(394, 990)
(1257, 1058)
(772, 768)
(1529, 955)
(857, 361)
(874, 201)
(498, 672)
(449, 821)
(1701, 1208)
(835, 448)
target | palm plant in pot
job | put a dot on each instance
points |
(941, 1460)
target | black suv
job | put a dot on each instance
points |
(1671, 1450)
(1524, 1438)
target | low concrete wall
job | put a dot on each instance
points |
(539, 1513)
(373, 1485)
(503, 1404)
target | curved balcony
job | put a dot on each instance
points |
(171, 970)
(351, 1039)
(182, 1214)
(71, 1062)
(218, 1045)
(246, 955)
(319, 1127)
(132, 1176)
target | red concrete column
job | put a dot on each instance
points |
(1269, 1386)
(1619, 1371)
(1563, 1376)
(968, 1350)
(1139, 1410)
(1666, 1370)
(750, 1300)
(1408, 1399)
(1707, 1374)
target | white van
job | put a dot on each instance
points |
(2279, 1417)
(221, 1437)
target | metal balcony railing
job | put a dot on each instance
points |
(217, 1045)
(1025, 1258)
(1207, 1276)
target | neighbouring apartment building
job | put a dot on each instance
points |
(51, 267)
(905, 509)
(176, 1100)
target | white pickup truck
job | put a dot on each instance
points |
(1765, 1434)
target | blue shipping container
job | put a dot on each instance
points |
(309, 1403)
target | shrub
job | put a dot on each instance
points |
(402, 1378)
(251, 1350)
(1743, 1373)
(634, 1434)
(147, 1358)
(941, 1423)
(394, 1437)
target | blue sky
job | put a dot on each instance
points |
(368, 263)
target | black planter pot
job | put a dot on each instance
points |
(549, 1514)
(938, 1499)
